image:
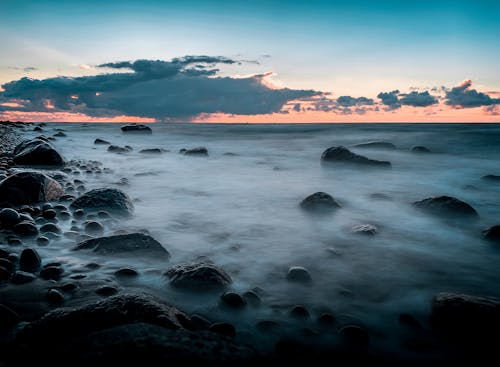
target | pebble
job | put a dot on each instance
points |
(55, 297)
(233, 300)
(298, 274)
(223, 328)
(30, 261)
(94, 228)
(106, 290)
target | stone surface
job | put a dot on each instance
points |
(341, 154)
(198, 275)
(111, 200)
(30, 261)
(29, 187)
(492, 233)
(298, 274)
(446, 205)
(319, 201)
(376, 145)
(137, 129)
(198, 151)
(37, 153)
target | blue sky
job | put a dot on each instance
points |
(357, 48)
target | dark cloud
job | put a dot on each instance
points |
(297, 107)
(30, 68)
(348, 101)
(179, 89)
(390, 99)
(418, 99)
(463, 96)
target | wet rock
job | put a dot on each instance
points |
(4, 274)
(199, 322)
(42, 241)
(354, 336)
(51, 273)
(59, 134)
(4, 254)
(55, 297)
(37, 153)
(492, 233)
(118, 149)
(420, 149)
(319, 201)
(101, 142)
(50, 228)
(326, 319)
(8, 317)
(112, 200)
(491, 178)
(69, 287)
(376, 145)
(198, 275)
(366, 229)
(103, 214)
(94, 228)
(446, 205)
(93, 266)
(30, 261)
(126, 272)
(151, 151)
(9, 217)
(233, 300)
(137, 129)
(299, 312)
(106, 290)
(134, 244)
(22, 277)
(29, 187)
(298, 274)
(379, 196)
(14, 241)
(64, 215)
(409, 321)
(341, 154)
(198, 151)
(6, 264)
(79, 214)
(252, 298)
(266, 326)
(223, 328)
(49, 214)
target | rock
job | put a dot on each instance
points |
(103, 214)
(50, 228)
(376, 145)
(223, 328)
(492, 233)
(420, 149)
(341, 154)
(354, 336)
(380, 196)
(198, 275)
(9, 217)
(446, 205)
(55, 297)
(29, 187)
(94, 228)
(199, 322)
(366, 229)
(134, 244)
(101, 142)
(319, 201)
(37, 128)
(112, 311)
(6, 264)
(106, 290)
(4, 254)
(233, 300)
(137, 129)
(8, 317)
(491, 178)
(60, 134)
(42, 241)
(51, 273)
(79, 213)
(112, 200)
(118, 149)
(409, 321)
(326, 319)
(4, 274)
(298, 274)
(299, 312)
(252, 298)
(266, 326)
(37, 153)
(69, 287)
(30, 261)
(126, 272)
(49, 214)
(151, 151)
(22, 277)
(198, 151)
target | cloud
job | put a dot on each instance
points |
(30, 68)
(348, 101)
(463, 96)
(418, 99)
(390, 99)
(182, 88)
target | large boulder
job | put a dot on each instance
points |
(37, 153)
(198, 275)
(319, 201)
(137, 129)
(198, 151)
(134, 244)
(492, 233)
(29, 187)
(446, 205)
(111, 200)
(491, 178)
(376, 145)
(341, 154)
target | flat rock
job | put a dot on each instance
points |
(101, 142)
(198, 275)
(37, 153)
(22, 277)
(198, 151)
(151, 151)
(118, 149)
(111, 200)
(491, 178)
(137, 129)
(341, 154)
(29, 187)
(134, 244)
(446, 205)
(420, 149)
(376, 145)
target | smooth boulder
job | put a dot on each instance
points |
(111, 200)
(198, 275)
(376, 145)
(29, 187)
(37, 153)
(343, 155)
(137, 129)
(492, 233)
(446, 205)
(101, 142)
(319, 201)
(198, 151)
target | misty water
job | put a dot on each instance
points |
(242, 212)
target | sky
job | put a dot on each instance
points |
(250, 61)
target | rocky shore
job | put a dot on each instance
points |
(59, 313)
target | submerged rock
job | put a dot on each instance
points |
(198, 151)
(354, 336)
(298, 274)
(30, 261)
(341, 154)
(101, 142)
(233, 300)
(376, 145)
(29, 187)
(366, 229)
(112, 200)
(446, 205)
(491, 178)
(199, 275)
(420, 149)
(37, 153)
(223, 328)
(134, 244)
(492, 233)
(8, 317)
(151, 151)
(118, 149)
(137, 129)
(319, 201)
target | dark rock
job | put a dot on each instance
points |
(4, 273)
(299, 312)
(366, 229)
(151, 151)
(7, 264)
(9, 217)
(79, 214)
(446, 205)
(50, 228)
(106, 290)
(326, 319)
(198, 151)
(233, 300)
(118, 149)
(4, 254)
(101, 142)
(69, 287)
(491, 178)
(298, 274)
(343, 155)
(60, 134)
(21, 277)
(30, 261)
(199, 322)
(379, 196)
(49, 214)
(93, 266)
(8, 317)
(492, 233)
(319, 201)
(134, 244)
(42, 241)
(37, 128)
(409, 321)
(223, 328)
(64, 215)
(112, 200)
(376, 145)
(252, 298)
(137, 129)
(37, 153)
(420, 149)
(55, 297)
(293, 350)
(94, 228)
(29, 187)
(103, 214)
(51, 273)
(266, 326)
(126, 272)
(199, 275)
(14, 241)
(354, 336)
